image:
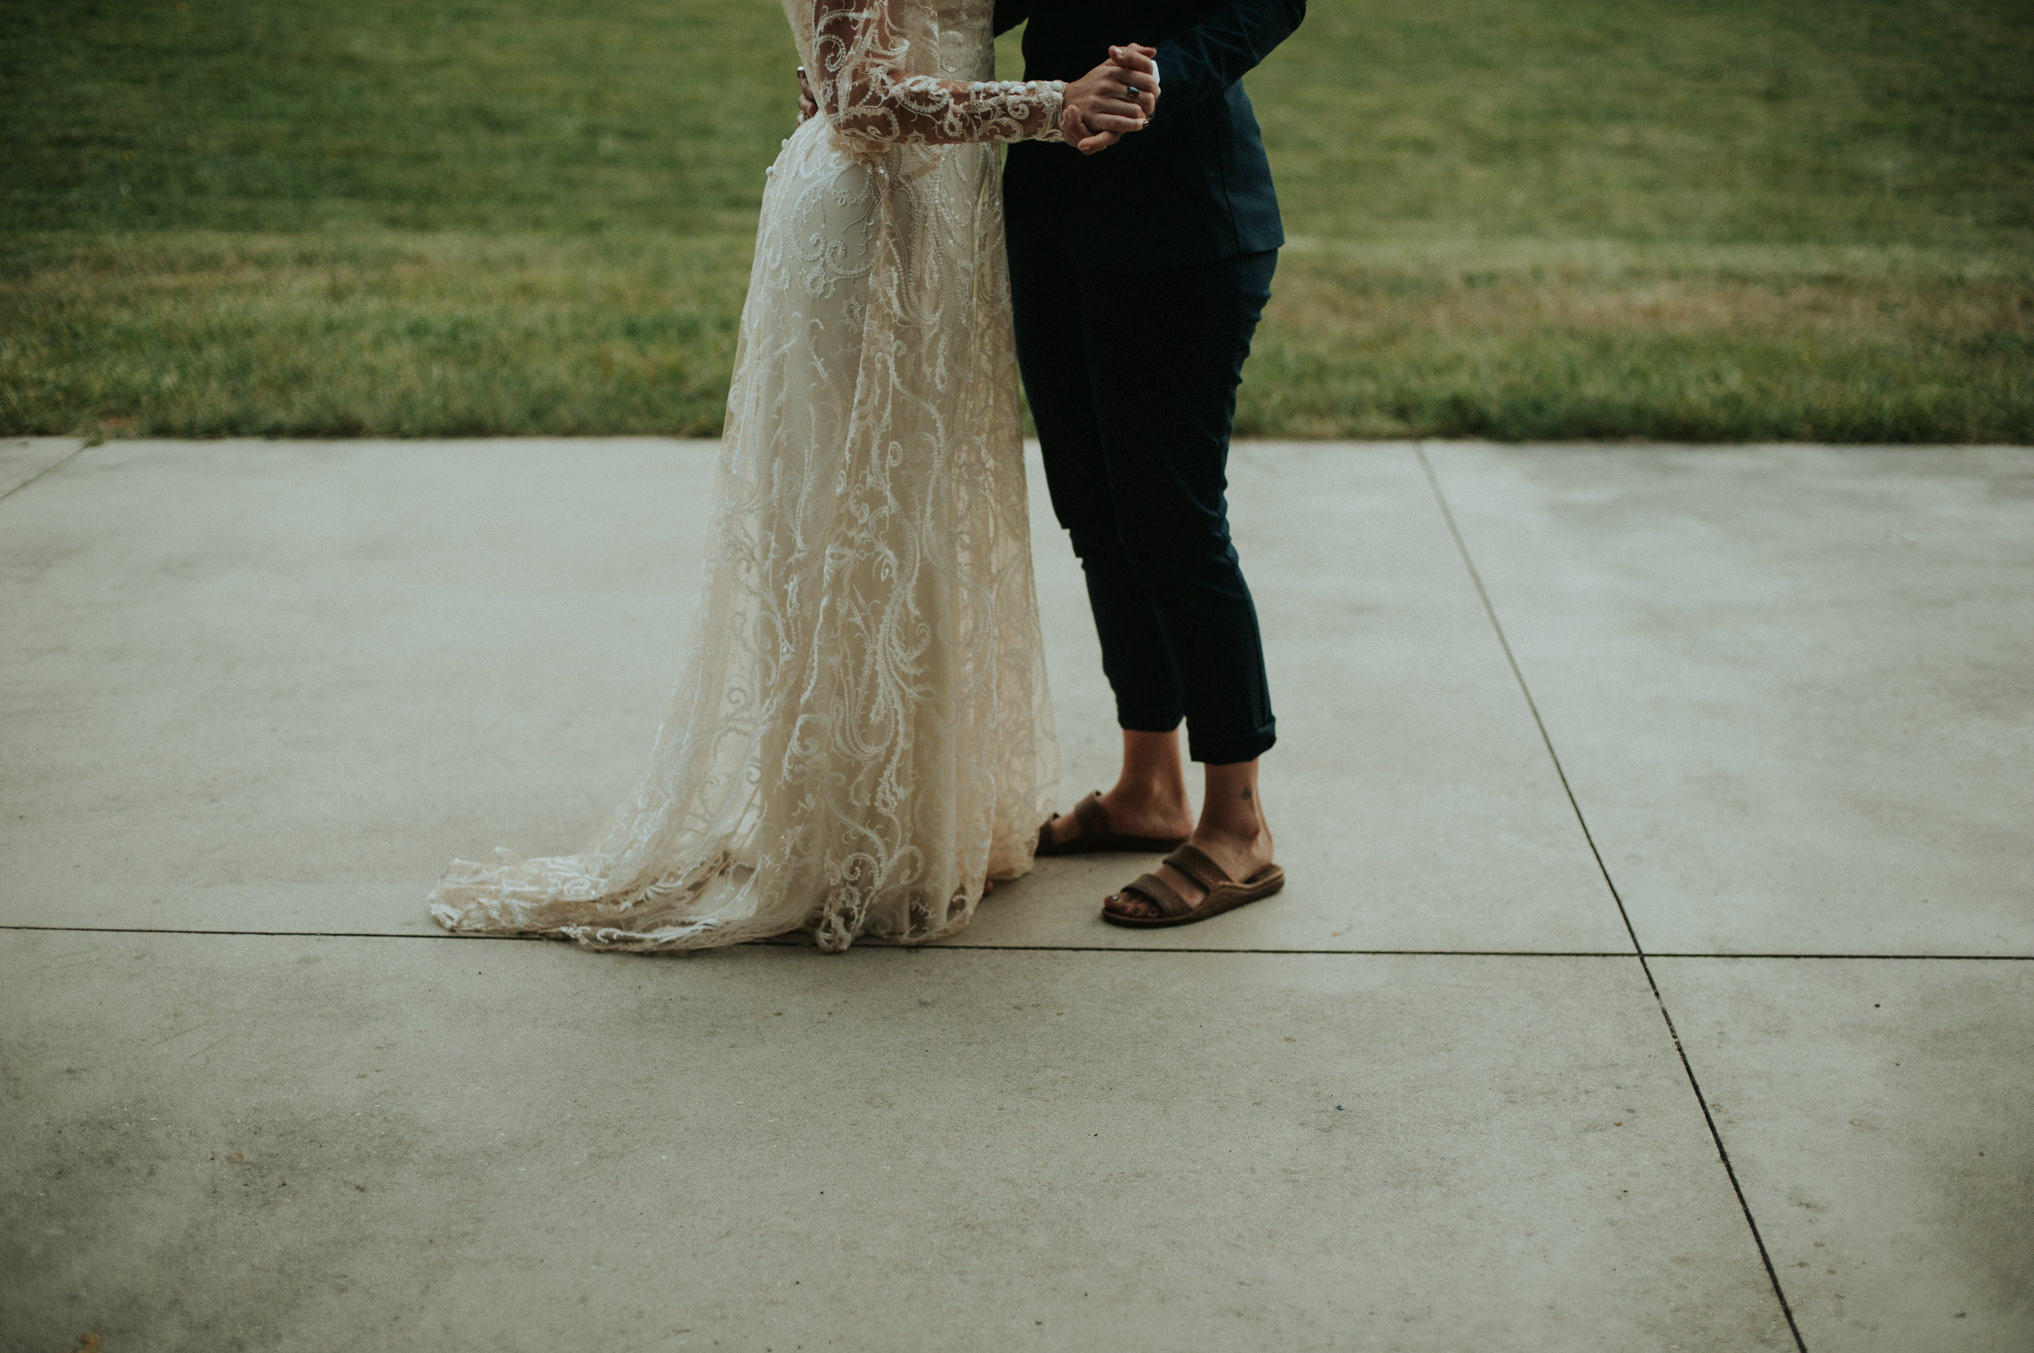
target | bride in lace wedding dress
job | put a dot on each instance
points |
(860, 735)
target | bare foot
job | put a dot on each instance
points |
(1241, 856)
(1232, 832)
(1132, 811)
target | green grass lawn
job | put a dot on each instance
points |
(1508, 218)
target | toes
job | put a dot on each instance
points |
(1128, 904)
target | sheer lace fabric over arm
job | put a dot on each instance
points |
(866, 91)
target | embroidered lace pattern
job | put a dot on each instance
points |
(856, 53)
(860, 734)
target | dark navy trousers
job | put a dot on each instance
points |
(1132, 381)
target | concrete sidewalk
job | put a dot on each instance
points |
(1654, 971)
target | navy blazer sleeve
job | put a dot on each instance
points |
(1199, 62)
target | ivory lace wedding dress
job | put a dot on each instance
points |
(860, 734)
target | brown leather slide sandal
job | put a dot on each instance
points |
(1223, 892)
(1096, 836)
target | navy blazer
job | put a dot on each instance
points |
(1192, 187)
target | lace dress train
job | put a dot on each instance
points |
(860, 733)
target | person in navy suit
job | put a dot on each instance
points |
(1168, 234)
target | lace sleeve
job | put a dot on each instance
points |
(864, 90)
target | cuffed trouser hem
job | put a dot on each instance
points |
(1226, 749)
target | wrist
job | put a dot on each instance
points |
(1056, 109)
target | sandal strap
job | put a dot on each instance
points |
(1160, 893)
(1092, 818)
(1195, 863)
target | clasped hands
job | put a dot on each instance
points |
(1111, 101)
